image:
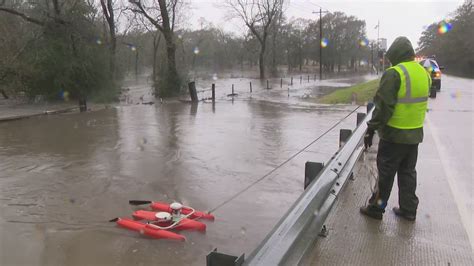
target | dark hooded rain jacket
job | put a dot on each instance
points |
(386, 97)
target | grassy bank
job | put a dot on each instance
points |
(363, 93)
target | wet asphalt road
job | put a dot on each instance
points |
(451, 119)
(63, 177)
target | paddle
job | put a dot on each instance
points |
(139, 202)
(114, 220)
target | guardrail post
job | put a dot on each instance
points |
(281, 82)
(344, 135)
(219, 259)
(268, 87)
(250, 86)
(291, 81)
(370, 106)
(311, 171)
(360, 118)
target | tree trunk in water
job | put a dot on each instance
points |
(274, 61)
(156, 44)
(288, 59)
(300, 61)
(172, 84)
(113, 48)
(261, 60)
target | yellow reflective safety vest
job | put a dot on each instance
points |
(412, 99)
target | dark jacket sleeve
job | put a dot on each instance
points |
(385, 100)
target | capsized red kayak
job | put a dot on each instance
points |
(148, 229)
(165, 207)
(183, 224)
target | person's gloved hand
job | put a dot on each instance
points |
(369, 135)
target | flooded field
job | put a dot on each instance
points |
(63, 177)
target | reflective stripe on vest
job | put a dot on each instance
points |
(412, 101)
(408, 98)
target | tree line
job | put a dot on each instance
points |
(84, 48)
(451, 41)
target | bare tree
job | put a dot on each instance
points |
(163, 15)
(258, 16)
(56, 17)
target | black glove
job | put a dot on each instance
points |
(369, 135)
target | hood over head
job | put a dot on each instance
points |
(401, 50)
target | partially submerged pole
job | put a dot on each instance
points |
(213, 92)
(192, 91)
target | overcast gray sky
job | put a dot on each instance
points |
(403, 17)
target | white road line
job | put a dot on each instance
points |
(459, 197)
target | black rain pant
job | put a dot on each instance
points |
(400, 159)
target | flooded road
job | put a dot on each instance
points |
(63, 177)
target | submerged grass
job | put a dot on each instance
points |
(363, 92)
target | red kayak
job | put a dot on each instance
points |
(165, 207)
(183, 224)
(148, 229)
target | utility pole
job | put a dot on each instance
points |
(320, 42)
(372, 55)
(320, 45)
(378, 46)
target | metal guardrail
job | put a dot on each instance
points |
(294, 235)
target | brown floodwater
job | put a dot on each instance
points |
(63, 177)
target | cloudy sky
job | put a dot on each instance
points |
(403, 17)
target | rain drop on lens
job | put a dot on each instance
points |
(444, 27)
(324, 42)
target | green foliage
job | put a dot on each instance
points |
(364, 92)
(60, 62)
(63, 57)
(454, 49)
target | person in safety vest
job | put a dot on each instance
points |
(401, 103)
